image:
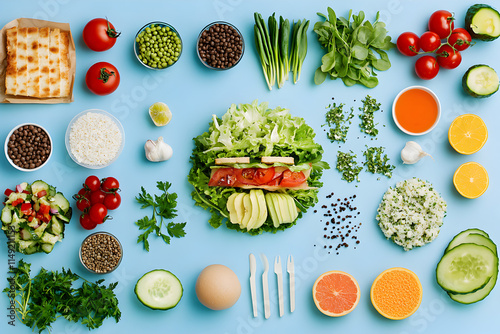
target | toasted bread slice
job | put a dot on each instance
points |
(33, 63)
(11, 70)
(54, 63)
(22, 61)
(236, 160)
(43, 54)
(283, 160)
(65, 65)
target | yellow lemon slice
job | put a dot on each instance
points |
(467, 134)
(471, 180)
(160, 114)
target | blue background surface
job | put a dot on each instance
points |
(194, 93)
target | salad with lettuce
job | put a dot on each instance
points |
(255, 131)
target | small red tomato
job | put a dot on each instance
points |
(441, 22)
(460, 39)
(98, 213)
(112, 201)
(99, 35)
(426, 67)
(429, 41)
(448, 57)
(110, 184)
(408, 44)
(84, 192)
(82, 203)
(97, 197)
(86, 222)
(102, 78)
(92, 183)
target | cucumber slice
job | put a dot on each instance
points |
(483, 22)
(474, 236)
(38, 186)
(47, 248)
(6, 215)
(480, 81)
(159, 289)
(466, 268)
(59, 201)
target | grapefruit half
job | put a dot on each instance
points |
(336, 293)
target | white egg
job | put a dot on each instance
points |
(218, 287)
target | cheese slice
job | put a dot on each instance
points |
(11, 70)
(22, 62)
(43, 54)
(33, 63)
(283, 160)
(54, 63)
(65, 65)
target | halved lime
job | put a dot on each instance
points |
(160, 114)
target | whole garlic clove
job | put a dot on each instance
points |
(157, 150)
(412, 153)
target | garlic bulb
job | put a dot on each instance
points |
(158, 150)
(412, 153)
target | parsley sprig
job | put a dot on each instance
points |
(164, 207)
(41, 300)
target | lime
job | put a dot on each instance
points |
(160, 114)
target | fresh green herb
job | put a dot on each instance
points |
(299, 47)
(338, 122)
(377, 162)
(351, 49)
(370, 106)
(347, 165)
(164, 206)
(40, 300)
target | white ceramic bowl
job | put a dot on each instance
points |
(12, 162)
(438, 110)
(68, 131)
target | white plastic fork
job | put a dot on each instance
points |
(279, 275)
(291, 272)
(265, 286)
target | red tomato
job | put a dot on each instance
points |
(92, 183)
(460, 39)
(292, 179)
(97, 197)
(99, 35)
(255, 176)
(426, 67)
(112, 201)
(84, 192)
(110, 184)
(441, 22)
(7, 192)
(429, 41)
(41, 193)
(98, 213)
(82, 203)
(408, 44)
(448, 58)
(223, 177)
(102, 78)
(86, 222)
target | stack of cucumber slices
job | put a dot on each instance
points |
(468, 270)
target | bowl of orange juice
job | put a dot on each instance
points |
(416, 110)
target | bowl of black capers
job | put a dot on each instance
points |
(28, 147)
(101, 252)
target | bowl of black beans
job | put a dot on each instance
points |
(101, 253)
(158, 45)
(28, 147)
(220, 46)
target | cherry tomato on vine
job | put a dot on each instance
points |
(426, 67)
(102, 78)
(448, 58)
(92, 183)
(84, 193)
(441, 22)
(110, 184)
(86, 222)
(97, 197)
(112, 201)
(98, 213)
(100, 35)
(408, 44)
(460, 39)
(82, 203)
(429, 41)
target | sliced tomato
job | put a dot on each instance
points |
(223, 177)
(41, 193)
(254, 176)
(292, 179)
(26, 208)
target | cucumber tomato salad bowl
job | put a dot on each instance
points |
(256, 169)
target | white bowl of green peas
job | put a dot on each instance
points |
(158, 45)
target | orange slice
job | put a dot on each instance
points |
(396, 293)
(336, 293)
(467, 134)
(471, 180)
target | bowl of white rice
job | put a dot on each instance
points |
(94, 138)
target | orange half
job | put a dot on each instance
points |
(467, 134)
(336, 293)
(471, 180)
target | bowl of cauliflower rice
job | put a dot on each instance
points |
(411, 213)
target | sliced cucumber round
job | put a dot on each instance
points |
(466, 268)
(483, 22)
(470, 236)
(480, 81)
(159, 289)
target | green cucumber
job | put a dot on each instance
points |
(38, 186)
(483, 22)
(474, 236)
(480, 81)
(159, 289)
(466, 268)
(60, 202)
(47, 248)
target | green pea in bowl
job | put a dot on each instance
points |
(158, 45)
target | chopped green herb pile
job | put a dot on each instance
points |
(40, 300)
(351, 47)
(347, 165)
(338, 122)
(377, 162)
(164, 206)
(370, 106)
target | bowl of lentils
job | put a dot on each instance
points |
(158, 45)
(101, 253)
(220, 46)
(28, 147)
